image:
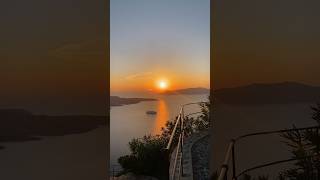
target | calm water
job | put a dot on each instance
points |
(60, 157)
(131, 121)
(79, 156)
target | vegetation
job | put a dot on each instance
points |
(148, 155)
(304, 146)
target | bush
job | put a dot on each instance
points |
(305, 146)
(146, 156)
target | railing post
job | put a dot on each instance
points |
(233, 162)
(175, 159)
(179, 149)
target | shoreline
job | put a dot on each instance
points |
(119, 101)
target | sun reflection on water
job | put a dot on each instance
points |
(162, 117)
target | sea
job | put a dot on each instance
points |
(83, 156)
(131, 121)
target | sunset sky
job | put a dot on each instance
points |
(166, 40)
(53, 56)
(265, 41)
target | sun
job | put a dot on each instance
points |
(162, 84)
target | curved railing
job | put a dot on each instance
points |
(230, 154)
(179, 125)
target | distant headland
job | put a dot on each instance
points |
(188, 91)
(18, 125)
(119, 101)
(269, 93)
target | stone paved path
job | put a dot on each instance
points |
(187, 163)
(200, 159)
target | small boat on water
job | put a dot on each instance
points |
(151, 112)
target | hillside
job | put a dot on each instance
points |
(285, 92)
(119, 101)
(188, 91)
(21, 125)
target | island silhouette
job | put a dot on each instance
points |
(120, 101)
(19, 125)
(188, 91)
(268, 93)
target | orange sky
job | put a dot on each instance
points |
(149, 81)
(154, 40)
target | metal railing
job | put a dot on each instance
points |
(179, 125)
(230, 154)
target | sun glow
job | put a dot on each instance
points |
(162, 84)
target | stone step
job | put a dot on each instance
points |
(187, 155)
